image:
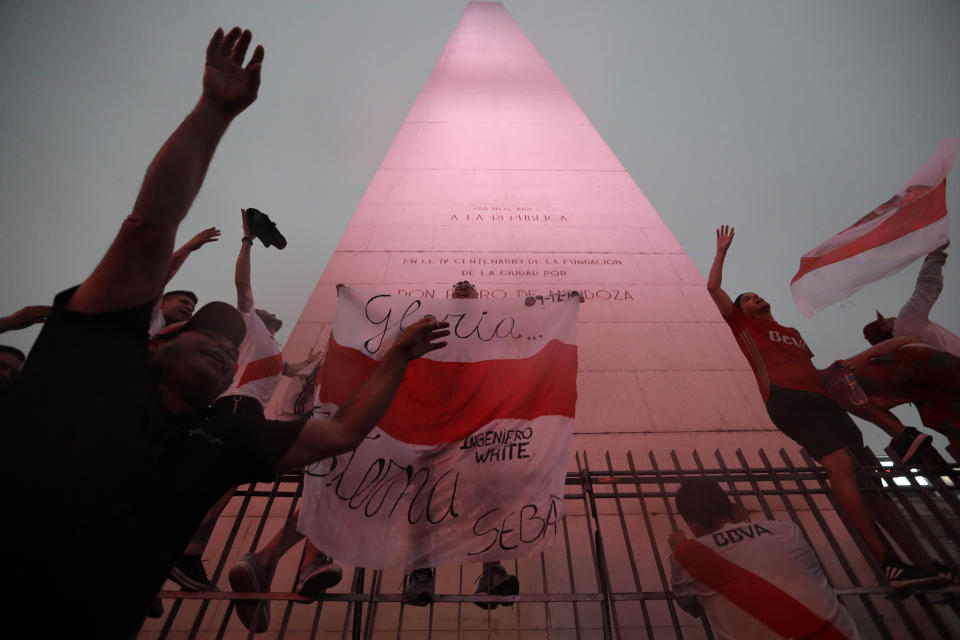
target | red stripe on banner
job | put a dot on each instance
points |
(262, 368)
(442, 402)
(765, 601)
(914, 215)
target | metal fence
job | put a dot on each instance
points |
(608, 574)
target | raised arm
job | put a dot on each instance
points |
(180, 255)
(241, 275)
(322, 438)
(916, 312)
(23, 318)
(720, 297)
(134, 267)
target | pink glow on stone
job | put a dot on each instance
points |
(495, 159)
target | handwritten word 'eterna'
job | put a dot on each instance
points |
(462, 325)
(385, 484)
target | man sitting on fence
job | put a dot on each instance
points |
(753, 579)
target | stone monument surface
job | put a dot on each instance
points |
(496, 176)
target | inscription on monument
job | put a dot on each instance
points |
(505, 214)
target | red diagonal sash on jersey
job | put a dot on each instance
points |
(766, 602)
(262, 368)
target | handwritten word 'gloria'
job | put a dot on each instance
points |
(510, 529)
(462, 325)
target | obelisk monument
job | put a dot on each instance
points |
(498, 177)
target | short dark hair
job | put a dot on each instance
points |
(736, 302)
(181, 292)
(8, 349)
(701, 500)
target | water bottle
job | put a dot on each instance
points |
(855, 393)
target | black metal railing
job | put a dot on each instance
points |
(608, 574)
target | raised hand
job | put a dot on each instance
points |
(724, 237)
(421, 337)
(228, 86)
(207, 235)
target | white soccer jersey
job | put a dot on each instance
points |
(259, 364)
(760, 580)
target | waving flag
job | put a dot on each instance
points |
(469, 462)
(909, 225)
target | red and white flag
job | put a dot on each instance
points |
(469, 462)
(908, 226)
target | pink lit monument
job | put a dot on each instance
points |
(497, 177)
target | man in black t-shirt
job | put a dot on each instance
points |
(113, 455)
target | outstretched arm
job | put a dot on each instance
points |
(321, 438)
(241, 275)
(916, 312)
(135, 265)
(24, 318)
(180, 255)
(720, 297)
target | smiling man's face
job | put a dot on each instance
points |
(198, 364)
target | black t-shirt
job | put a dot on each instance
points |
(108, 486)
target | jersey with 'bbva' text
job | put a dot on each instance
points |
(777, 354)
(759, 580)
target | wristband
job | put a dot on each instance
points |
(247, 239)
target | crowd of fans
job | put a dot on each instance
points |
(136, 415)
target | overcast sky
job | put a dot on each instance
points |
(787, 120)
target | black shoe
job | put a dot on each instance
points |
(262, 227)
(901, 575)
(909, 443)
(189, 574)
(418, 587)
(495, 581)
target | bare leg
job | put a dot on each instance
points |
(280, 543)
(843, 482)
(878, 416)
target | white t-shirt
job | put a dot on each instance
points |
(259, 363)
(758, 580)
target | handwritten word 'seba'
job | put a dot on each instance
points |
(509, 529)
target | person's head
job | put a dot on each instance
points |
(197, 359)
(464, 290)
(177, 306)
(272, 322)
(879, 330)
(11, 361)
(752, 304)
(704, 506)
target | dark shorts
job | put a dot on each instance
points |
(816, 422)
(238, 405)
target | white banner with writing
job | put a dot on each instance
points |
(470, 460)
